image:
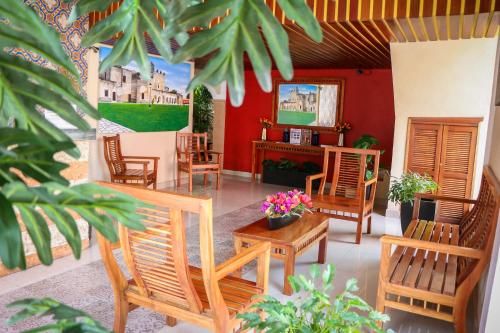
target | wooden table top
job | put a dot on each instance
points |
(289, 235)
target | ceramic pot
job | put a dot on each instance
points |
(274, 223)
(263, 136)
(341, 140)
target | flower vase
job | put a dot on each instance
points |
(264, 134)
(341, 140)
(279, 222)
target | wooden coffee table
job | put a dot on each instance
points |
(289, 242)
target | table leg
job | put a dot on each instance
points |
(253, 161)
(289, 270)
(237, 248)
(323, 247)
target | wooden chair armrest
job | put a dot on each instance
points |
(436, 197)
(215, 152)
(309, 180)
(136, 162)
(369, 182)
(142, 157)
(460, 251)
(241, 259)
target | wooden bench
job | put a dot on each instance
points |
(435, 266)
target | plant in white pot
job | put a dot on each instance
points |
(403, 190)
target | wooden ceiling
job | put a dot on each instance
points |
(357, 33)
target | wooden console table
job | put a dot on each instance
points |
(263, 146)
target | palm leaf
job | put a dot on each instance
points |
(96, 205)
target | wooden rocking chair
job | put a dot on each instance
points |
(348, 198)
(163, 281)
(193, 157)
(117, 165)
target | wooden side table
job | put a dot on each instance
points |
(289, 242)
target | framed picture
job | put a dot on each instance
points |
(314, 103)
(130, 103)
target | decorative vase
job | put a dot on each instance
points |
(274, 223)
(341, 140)
(264, 134)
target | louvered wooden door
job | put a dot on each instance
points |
(445, 150)
(457, 169)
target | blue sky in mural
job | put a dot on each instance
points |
(285, 89)
(177, 76)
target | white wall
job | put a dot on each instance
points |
(490, 321)
(160, 144)
(442, 79)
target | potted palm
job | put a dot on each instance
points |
(403, 190)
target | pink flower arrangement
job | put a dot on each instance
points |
(286, 203)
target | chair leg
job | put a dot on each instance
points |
(171, 321)
(369, 226)
(218, 179)
(190, 182)
(121, 314)
(154, 184)
(178, 183)
(459, 317)
(359, 232)
(380, 303)
(205, 179)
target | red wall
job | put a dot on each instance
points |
(368, 106)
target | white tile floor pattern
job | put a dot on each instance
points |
(351, 260)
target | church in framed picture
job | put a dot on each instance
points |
(250, 166)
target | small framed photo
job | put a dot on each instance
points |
(305, 139)
(295, 136)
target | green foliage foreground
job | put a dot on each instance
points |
(314, 310)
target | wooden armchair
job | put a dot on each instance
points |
(118, 165)
(351, 196)
(193, 157)
(163, 281)
(433, 269)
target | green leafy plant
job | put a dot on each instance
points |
(238, 32)
(315, 310)
(203, 110)
(67, 318)
(367, 141)
(403, 189)
(28, 141)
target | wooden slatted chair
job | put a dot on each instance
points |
(348, 198)
(163, 281)
(193, 157)
(435, 266)
(118, 165)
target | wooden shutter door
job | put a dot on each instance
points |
(457, 169)
(424, 149)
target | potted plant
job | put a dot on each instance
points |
(287, 173)
(314, 310)
(403, 190)
(284, 208)
(367, 141)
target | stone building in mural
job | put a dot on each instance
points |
(298, 101)
(123, 85)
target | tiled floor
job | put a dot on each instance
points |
(351, 260)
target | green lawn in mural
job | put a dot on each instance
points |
(142, 118)
(296, 117)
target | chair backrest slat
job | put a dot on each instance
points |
(113, 154)
(477, 227)
(192, 143)
(350, 168)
